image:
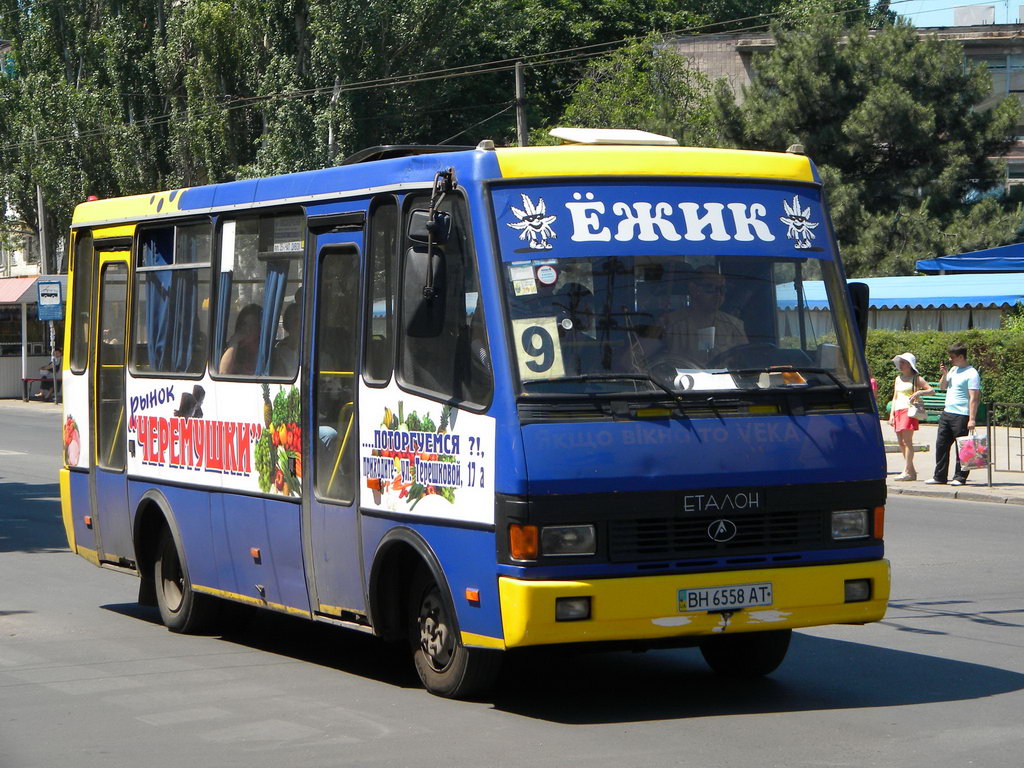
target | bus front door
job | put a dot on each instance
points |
(109, 480)
(332, 521)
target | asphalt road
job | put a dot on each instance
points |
(88, 678)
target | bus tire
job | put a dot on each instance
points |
(445, 666)
(181, 609)
(748, 654)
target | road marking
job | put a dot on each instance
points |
(263, 731)
(181, 717)
(11, 453)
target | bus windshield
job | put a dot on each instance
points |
(670, 292)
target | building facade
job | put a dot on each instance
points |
(998, 46)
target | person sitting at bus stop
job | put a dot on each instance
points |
(698, 332)
(239, 357)
(50, 374)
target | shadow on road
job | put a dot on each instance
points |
(818, 674)
(30, 518)
(621, 687)
(343, 650)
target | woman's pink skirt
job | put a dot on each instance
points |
(902, 422)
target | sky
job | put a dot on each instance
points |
(939, 13)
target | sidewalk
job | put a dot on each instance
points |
(38, 405)
(1007, 487)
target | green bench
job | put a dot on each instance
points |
(934, 403)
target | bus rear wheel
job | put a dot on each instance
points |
(181, 609)
(749, 654)
(445, 666)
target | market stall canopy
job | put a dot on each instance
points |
(1006, 258)
(961, 291)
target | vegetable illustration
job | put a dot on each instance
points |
(403, 484)
(72, 443)
(278, 451)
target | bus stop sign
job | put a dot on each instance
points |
(50, 300)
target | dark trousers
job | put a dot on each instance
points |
(951, 426)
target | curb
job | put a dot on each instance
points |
(994, 498)
(891, 447)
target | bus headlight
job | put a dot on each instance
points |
(850, 524)
(568, 540)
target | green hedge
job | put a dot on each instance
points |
(998, 355)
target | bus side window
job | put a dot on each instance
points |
(172, 307)
(81, 298)
(455, 363)
(380, 297)
(260, 277)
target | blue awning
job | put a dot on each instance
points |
(1006, 258)
(963, 291)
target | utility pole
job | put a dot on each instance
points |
(41, 218)
(520, 106)
(43, 245)
(332, 142)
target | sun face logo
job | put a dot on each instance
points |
(798, 224)
(534, 224)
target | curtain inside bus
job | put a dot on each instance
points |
(274, 289)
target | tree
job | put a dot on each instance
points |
(889, 118)
(74, 100)
(644, 85)
(358, 42)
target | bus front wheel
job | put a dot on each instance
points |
(751, 654)
(444, 665)
(181, 609)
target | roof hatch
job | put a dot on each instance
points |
(612, 136)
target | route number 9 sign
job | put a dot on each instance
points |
(537, 348)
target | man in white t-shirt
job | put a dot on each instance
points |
(963, 393)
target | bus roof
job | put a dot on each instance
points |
(417, 170)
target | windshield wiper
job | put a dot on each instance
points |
(617, 377)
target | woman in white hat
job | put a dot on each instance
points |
(908, 389)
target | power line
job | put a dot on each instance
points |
(502, 111)
(549, 58)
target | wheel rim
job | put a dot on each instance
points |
(172, 580)
(436, 639)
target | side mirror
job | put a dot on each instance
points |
(422, 227)
(859, 295)
(424, 314)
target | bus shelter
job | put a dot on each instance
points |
(24, 338)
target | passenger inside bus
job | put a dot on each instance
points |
(111, 342)
(700, 331)
(285, 358)
(243, 347)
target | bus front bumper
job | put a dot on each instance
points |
(653, 607)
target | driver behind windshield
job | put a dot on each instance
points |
(700, 331)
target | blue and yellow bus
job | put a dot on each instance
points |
(481, 399)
